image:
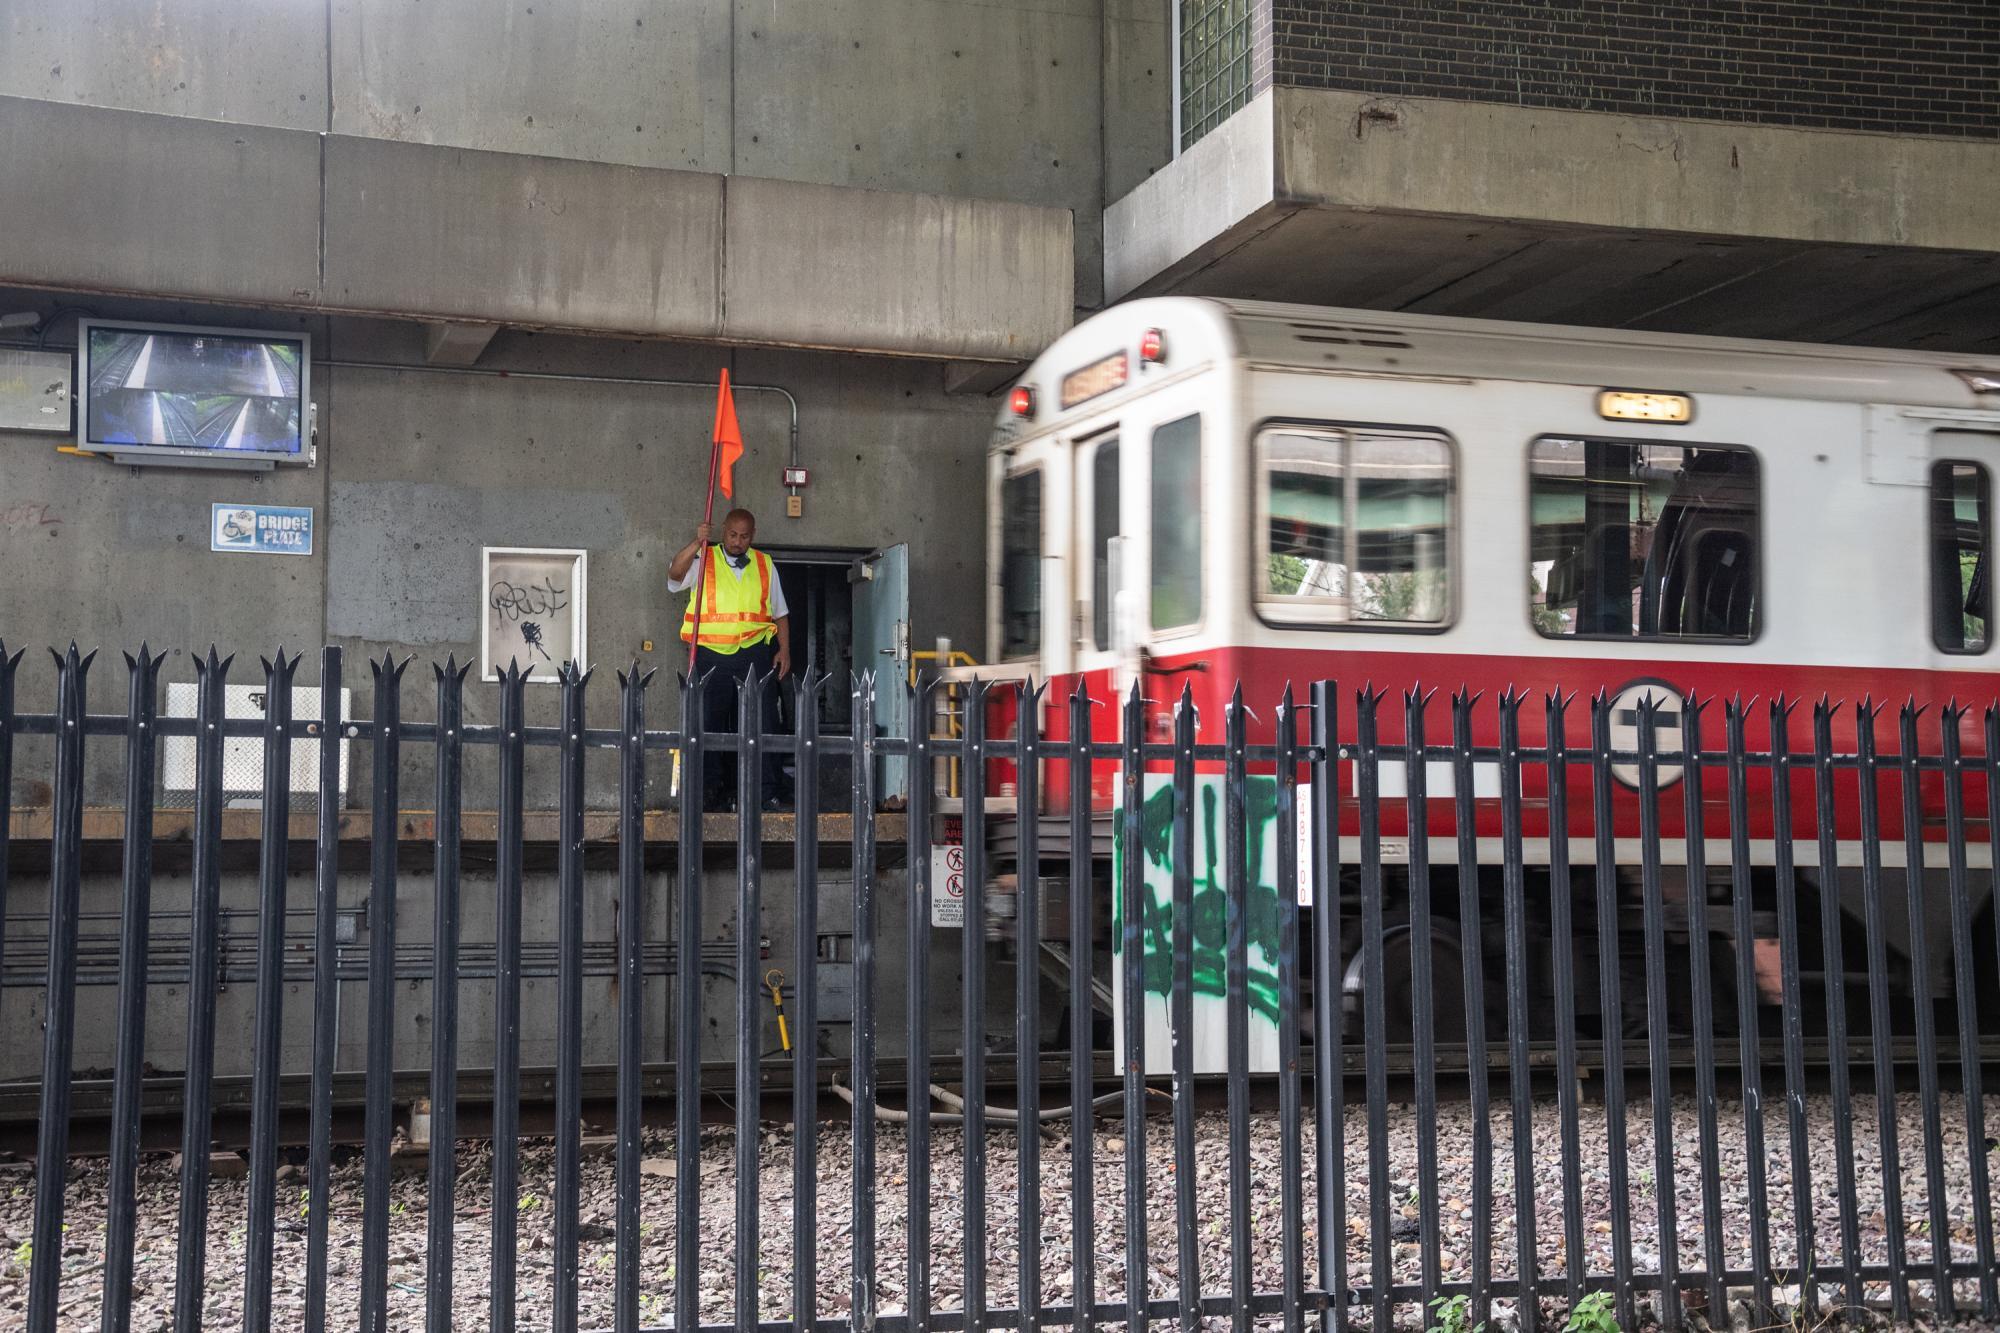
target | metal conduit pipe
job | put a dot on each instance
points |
(569, 377)
(565, 377)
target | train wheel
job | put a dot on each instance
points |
(1447, 989)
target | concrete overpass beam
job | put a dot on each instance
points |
(133, 202)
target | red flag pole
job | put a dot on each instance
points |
(701, 562)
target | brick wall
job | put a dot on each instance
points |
(1899, 66)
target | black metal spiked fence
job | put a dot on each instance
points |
(1321, 1210)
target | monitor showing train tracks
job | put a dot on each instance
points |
(190, 396)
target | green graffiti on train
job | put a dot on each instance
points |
(1209, 975)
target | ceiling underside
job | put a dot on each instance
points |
(1751, 288)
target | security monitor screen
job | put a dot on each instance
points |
(191, 390)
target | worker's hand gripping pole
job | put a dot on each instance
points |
(700, 578)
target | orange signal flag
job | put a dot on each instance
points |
(728, 437)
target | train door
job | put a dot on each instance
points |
(882, 644)
(1101, 639)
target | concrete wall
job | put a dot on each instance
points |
(167, 1008)
(418, 469)
(1014, 101)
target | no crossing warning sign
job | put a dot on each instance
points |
(948, 885)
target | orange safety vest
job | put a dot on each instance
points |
(735, 613)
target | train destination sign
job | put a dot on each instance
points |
(1080, 386)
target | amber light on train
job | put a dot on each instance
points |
(1644, 405)
(1022, 401)
(1153, 347)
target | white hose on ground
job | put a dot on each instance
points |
(1002, 1113)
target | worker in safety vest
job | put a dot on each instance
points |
(744, 626)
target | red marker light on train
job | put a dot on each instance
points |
(1153, 347)
(1022, 401)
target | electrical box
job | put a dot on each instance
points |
(34, 390)
(243, 756)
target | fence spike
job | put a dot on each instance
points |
(203, 974)
(59, 1023)
(274, 853)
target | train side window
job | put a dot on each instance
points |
(1645, 541)
(1021, 564)
(1961, 539)
(1176, 524)
(1103, 528)
(1355, 525)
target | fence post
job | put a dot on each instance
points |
(507, 1001)
(805, 981)
(1028, 1000)
(1473, 963)
(569, 996)
(1082, 1009)
(1749, 1059)
(441, 1212)
(1881, 1040)
(1839, 1049)
(197, 1102)
(916, 992)
(274, 852)
(1965, 966)
(1794, 997)
(1519, 1077)
(326, 987)
(631, 984)
(687, 1012)
(1942, 1295)
(1329, 1117)
(1132, 961)
(861, 1310)
(972, 991)
(1423, 1016)
(1612, 1003)
(1660, 1086)
(134, 943)
(1236, 1000)
(749, 1017)
(1291, 1153)
(65, 878)
(1695, 813)
(1180, 1011)
(1374, 1006)
(386, 729)
(7, 665)
(1562, 950)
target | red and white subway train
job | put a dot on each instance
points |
(1199, 491)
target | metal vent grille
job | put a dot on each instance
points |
(1349, 335)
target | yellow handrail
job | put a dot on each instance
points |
(951, 694)
(954, 658)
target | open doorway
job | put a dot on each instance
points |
(820, 598)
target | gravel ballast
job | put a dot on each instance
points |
(832, 1221)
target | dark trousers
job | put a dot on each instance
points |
(722, 709)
